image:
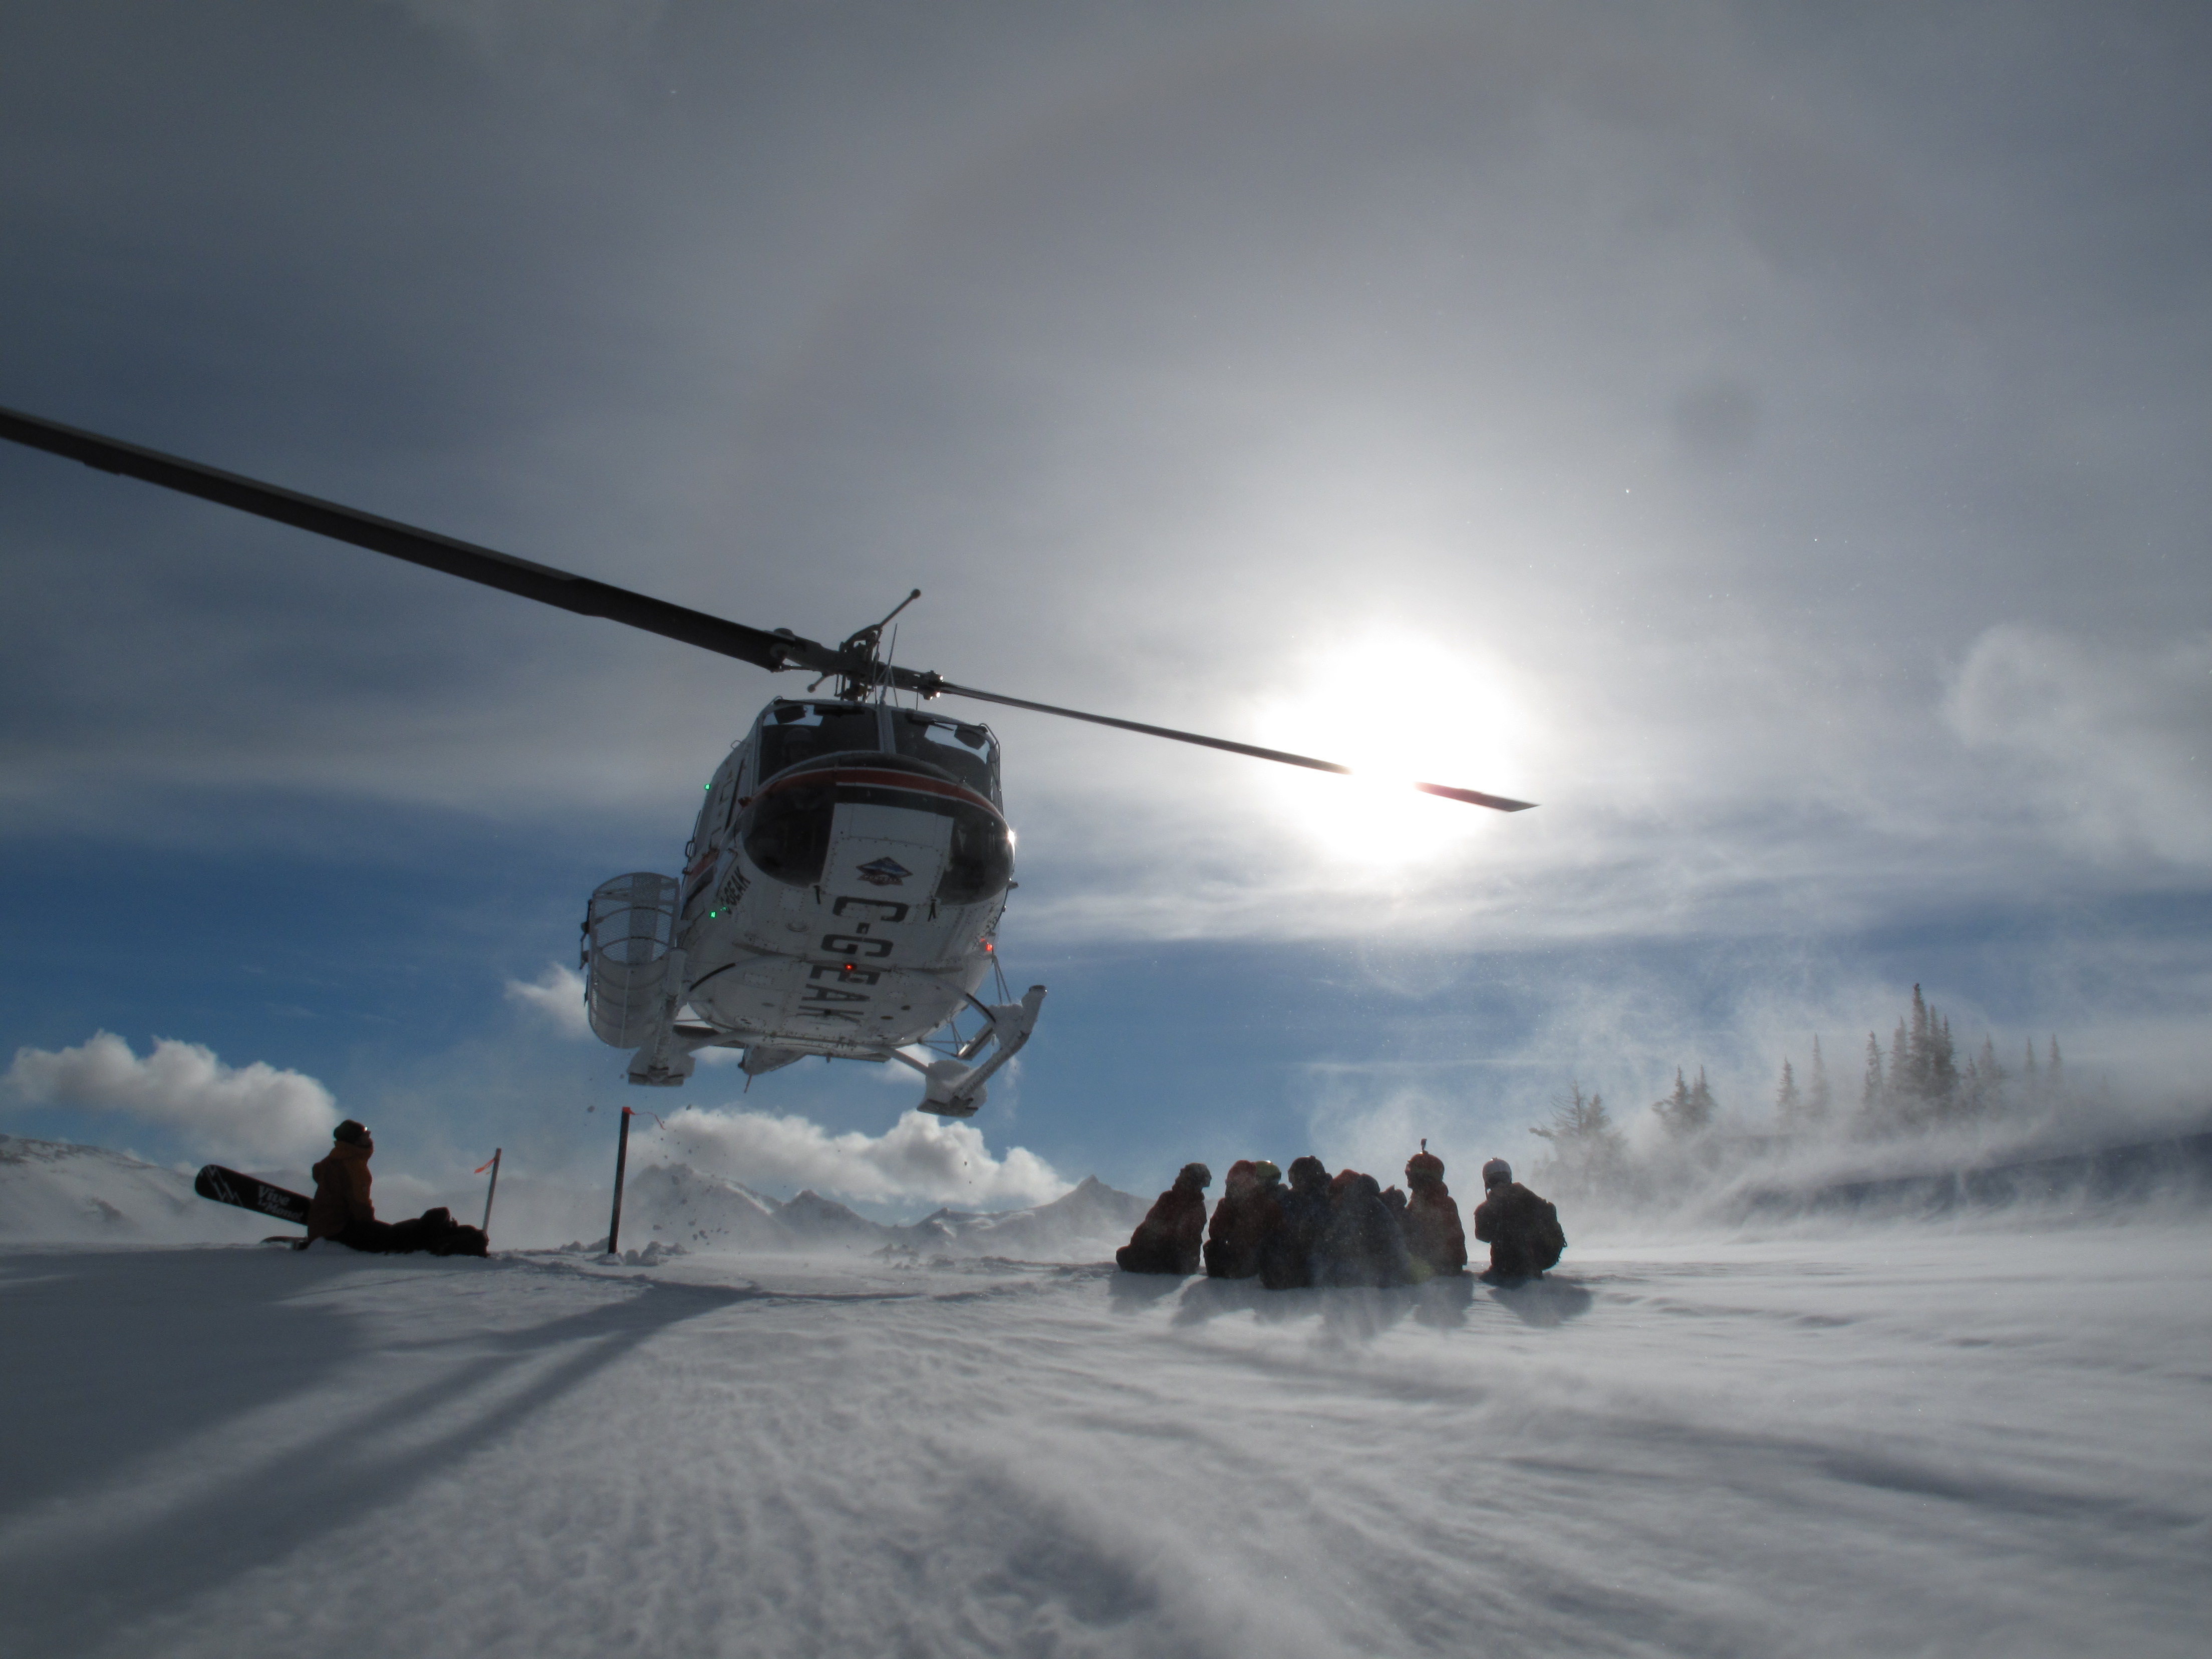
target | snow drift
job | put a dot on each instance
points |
(54, 1193)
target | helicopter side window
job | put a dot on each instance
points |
(787, 833)
(797, 732)
(980, 859)
(970, 753)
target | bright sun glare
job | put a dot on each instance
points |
(1399, 709)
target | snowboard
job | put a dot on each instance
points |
(228, 1186)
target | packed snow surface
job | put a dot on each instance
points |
(1986, 1439)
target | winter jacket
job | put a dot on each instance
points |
(1167, 1240)
(1249, 1214)
(342, 1184)
(1521, 1229)
(1286, 1251)
(1433, 1233)
(1364, 1243)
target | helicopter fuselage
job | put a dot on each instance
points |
(841, 890)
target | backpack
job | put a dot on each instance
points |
(1547, 1239)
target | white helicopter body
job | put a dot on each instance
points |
(843, 886)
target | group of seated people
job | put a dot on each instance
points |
(1321, 1231)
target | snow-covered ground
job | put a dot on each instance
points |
(1987, 1438)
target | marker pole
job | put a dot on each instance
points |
(622, 1162)
(493, 1191)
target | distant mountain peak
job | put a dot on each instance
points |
(59, 1192)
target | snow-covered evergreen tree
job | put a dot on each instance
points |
(1919, 1050)
(1898, 1091)
(1818, 1099)
(1677, 1111)
(1941, 1082)
(1981, 1085)
(1587, 1152)
(1789, 1107)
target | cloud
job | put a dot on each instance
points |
(559, 995)
(919, 1157)
(2110, 745)
(255, 1112)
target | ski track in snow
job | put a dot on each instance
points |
(1917, 1440)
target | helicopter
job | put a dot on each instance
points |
(841, 890)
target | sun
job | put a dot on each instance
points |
(1398, 710)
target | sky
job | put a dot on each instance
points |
(1771, 437)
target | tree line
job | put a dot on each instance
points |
(1915, 1083)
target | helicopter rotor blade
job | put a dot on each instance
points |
(579, 594)
(584, 596)
(932, 684)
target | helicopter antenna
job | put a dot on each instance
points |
(890, 661)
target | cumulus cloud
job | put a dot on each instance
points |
(2111, 744)
(253, 1112)
(558, 995)
(919, 1157)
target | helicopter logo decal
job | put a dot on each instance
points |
(885, 872)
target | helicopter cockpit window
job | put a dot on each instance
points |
(970, 753)
(795, 732)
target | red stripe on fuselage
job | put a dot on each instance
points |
(870, 777)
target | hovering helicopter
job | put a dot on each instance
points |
(843, 888)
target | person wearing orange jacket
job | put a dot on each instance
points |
(1167, 1240)
(1433, 1233)
(342, 1181)
(343, 1210)
(1250, 1211)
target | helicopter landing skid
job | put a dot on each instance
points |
(955, 1089)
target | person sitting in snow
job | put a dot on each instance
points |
(1250, 1212)
(1300, 1218)
(1521, 1229)
(1364, 1243)
(1167, 1240)
(1434, 1237)
(343, 1210)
